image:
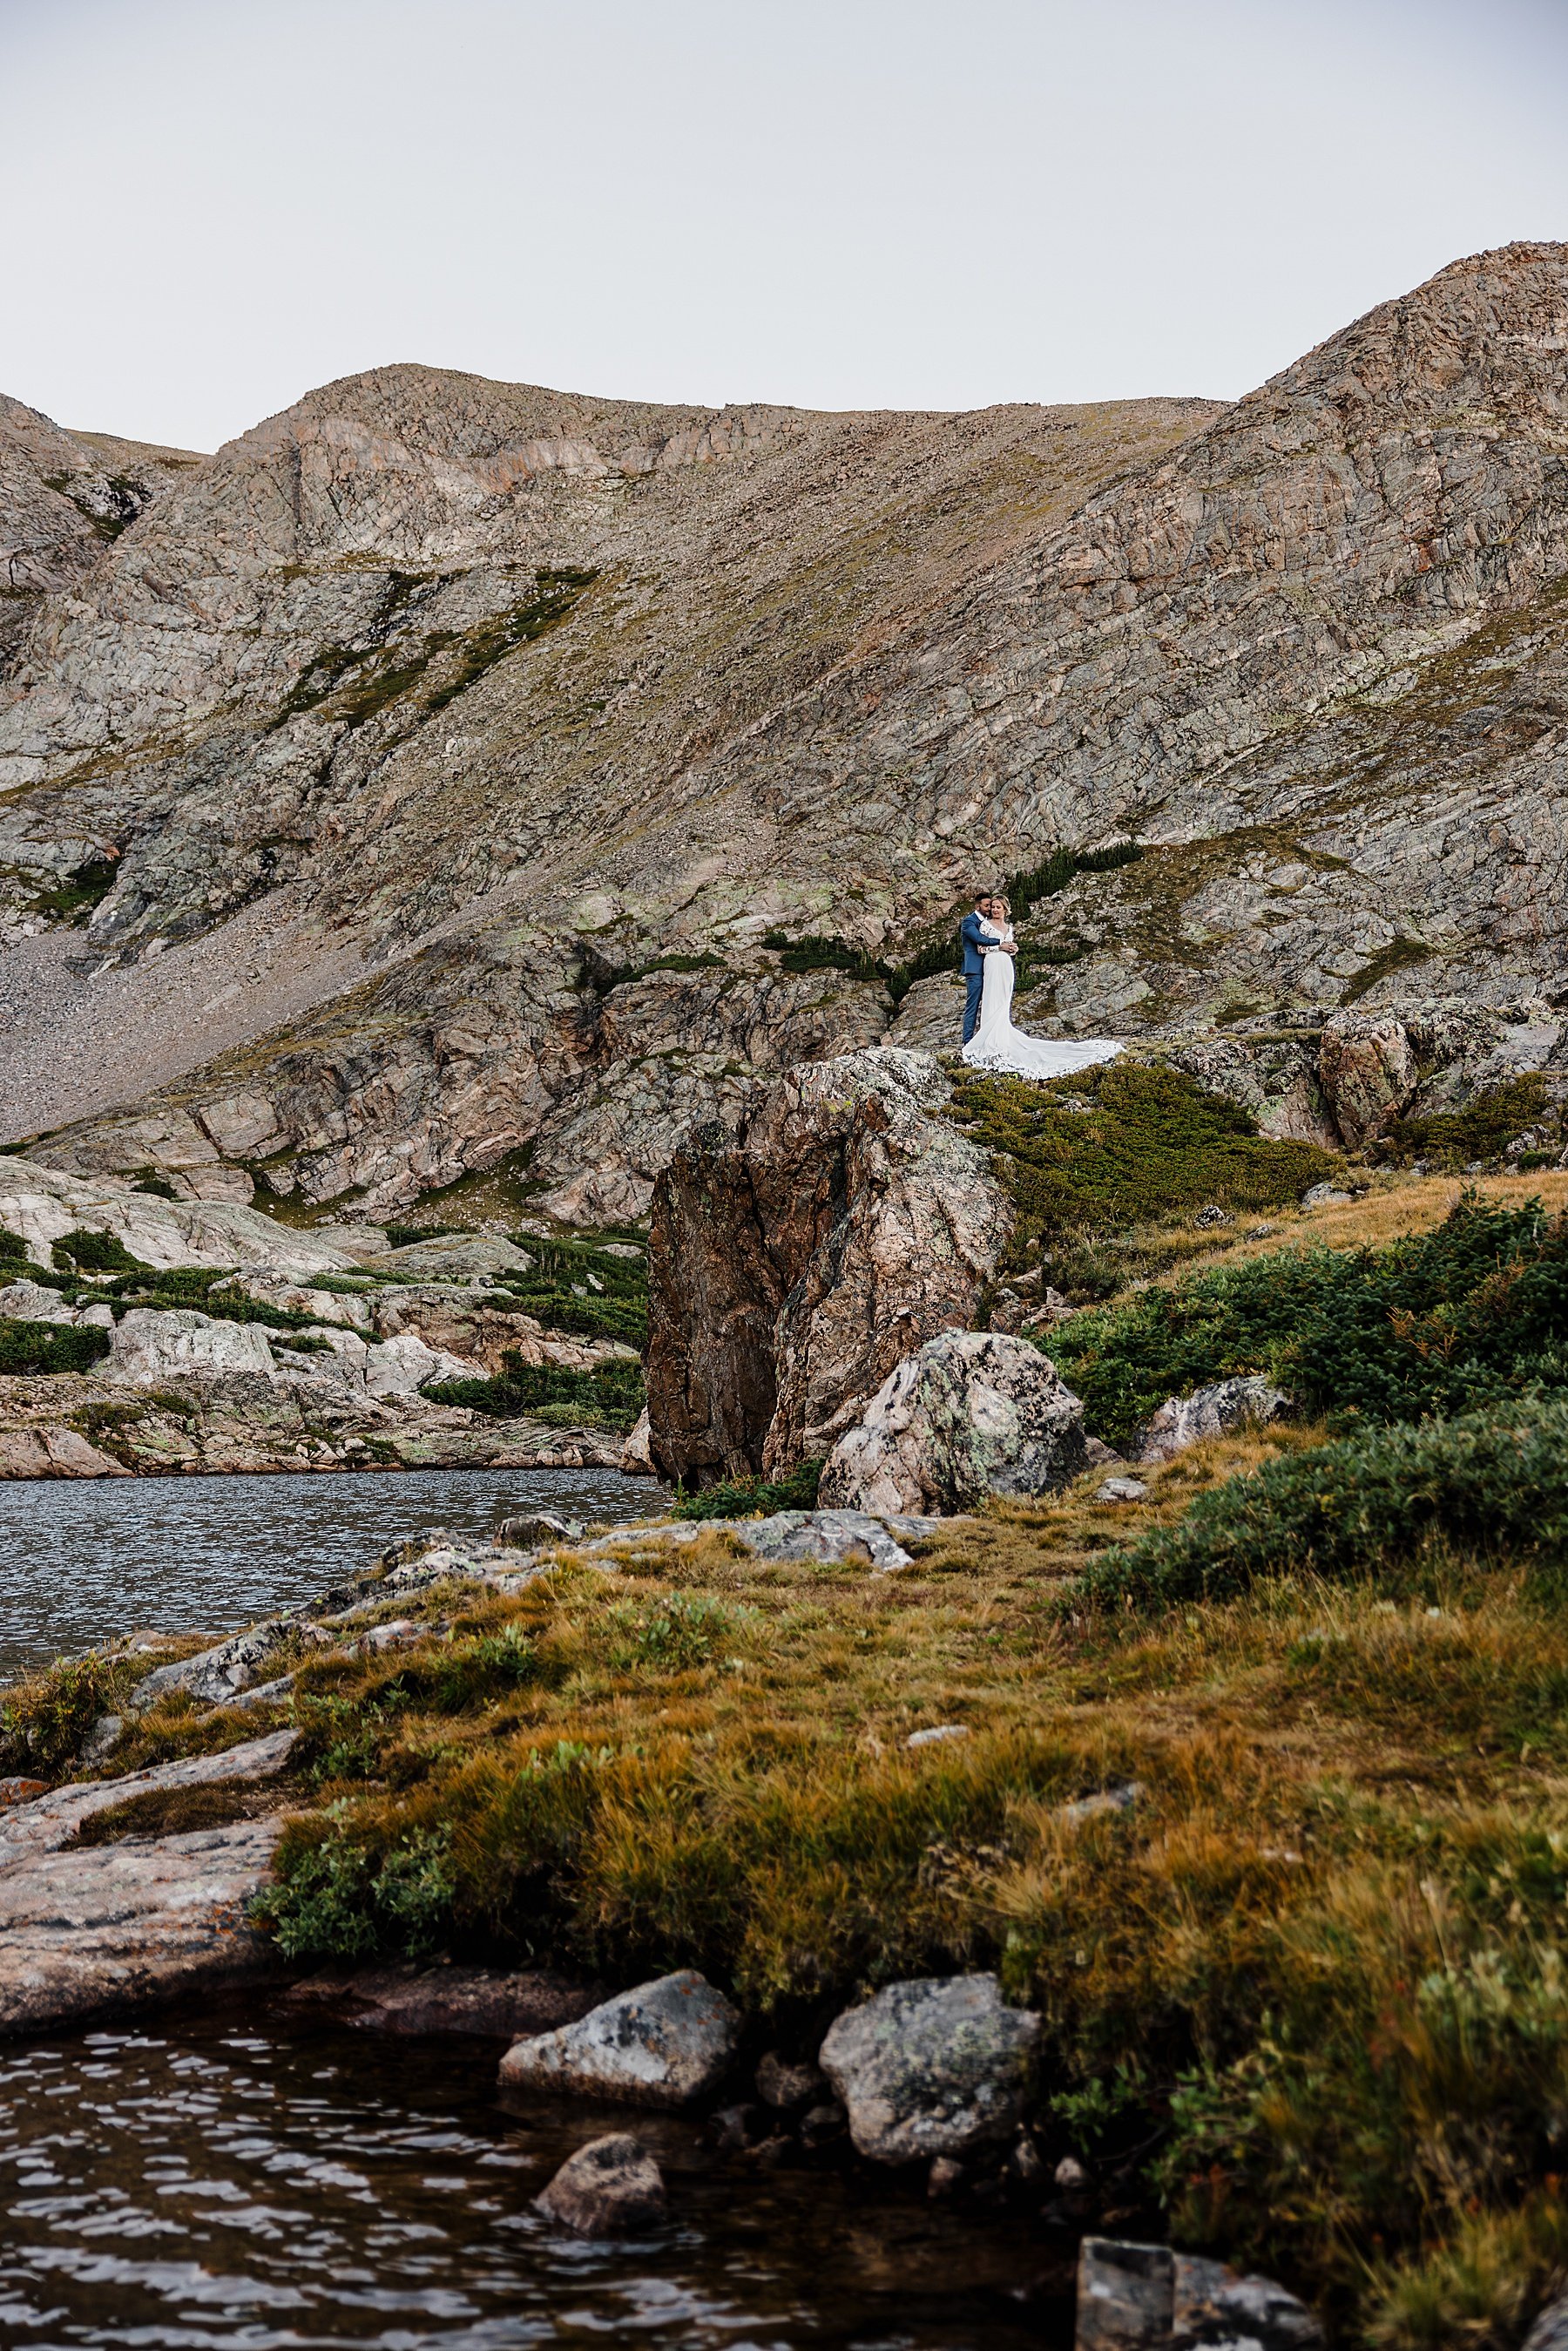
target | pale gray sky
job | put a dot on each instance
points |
(215, 205)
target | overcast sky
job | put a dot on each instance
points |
(215, 205)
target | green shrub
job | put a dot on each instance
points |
(745, 1497)
(33, 1348)
(576, 1286)
(1480, 1129)
(1477, 1307)
(408, 1236)
(44, 1721)
(96, 1253)
(610, 1396)
(1493, 1484)
(1125, 1143)
(339, 1900)
(85, 889)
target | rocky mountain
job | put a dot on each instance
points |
(459, 760)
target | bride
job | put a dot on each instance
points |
(996, 1043)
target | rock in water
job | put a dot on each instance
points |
(1147, 2298)
(800, 1251)
(1214, 1411)
(934, 2067)
(608, 2189)
(973, 1413)
(661, 2045)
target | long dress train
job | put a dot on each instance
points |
(998, 1045)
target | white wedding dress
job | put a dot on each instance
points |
(998, 1045)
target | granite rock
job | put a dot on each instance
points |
(664, 2044)
(939, 2066)
(972, 1413)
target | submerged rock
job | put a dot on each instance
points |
(609, 2188)
(1213, 1411)
(973, 1413)
(661, 2045)
(939, 2066)
(481, 2002)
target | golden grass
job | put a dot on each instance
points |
(1308, 1989)
(1394, 1207)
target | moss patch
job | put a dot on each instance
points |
(1123, 1143)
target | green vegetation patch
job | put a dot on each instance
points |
(1375, 1506)
(1124, 1143)
(33, 1348)
(1441, 1321)
(74, 899)
(745, 1498)
(610, 1396)
(1480, 1130)
(92, 1252)
(582, 1287)
(557, 595)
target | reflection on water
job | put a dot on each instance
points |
(81, 1561)
(237, 2183)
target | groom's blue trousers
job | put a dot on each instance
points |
(971, 1004)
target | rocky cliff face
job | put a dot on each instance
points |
(498, 729)
(800, 1250)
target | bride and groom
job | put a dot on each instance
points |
(989, 1040)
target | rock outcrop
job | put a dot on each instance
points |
(1249, 1401)
(800, 1250)
(88, 1930)
(663, 2044)
(973, 1413)
(939, 2067)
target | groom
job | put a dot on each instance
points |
(975, 950)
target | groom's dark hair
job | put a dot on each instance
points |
(984, 891)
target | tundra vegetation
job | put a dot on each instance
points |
(1304, 1999)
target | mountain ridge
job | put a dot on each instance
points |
(415, 664)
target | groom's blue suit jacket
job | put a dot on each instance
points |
(973, 960)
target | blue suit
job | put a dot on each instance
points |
(973, 971)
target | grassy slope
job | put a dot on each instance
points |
(1305, 2001)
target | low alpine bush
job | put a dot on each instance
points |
(1445, 1319)
(1371, 1506)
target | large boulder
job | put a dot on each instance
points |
(971, 1413)
(939, 2066)
(661, 2045)
(608, 2189)
(800, 1251)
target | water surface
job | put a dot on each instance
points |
(84, 1559)
(243, 2183)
